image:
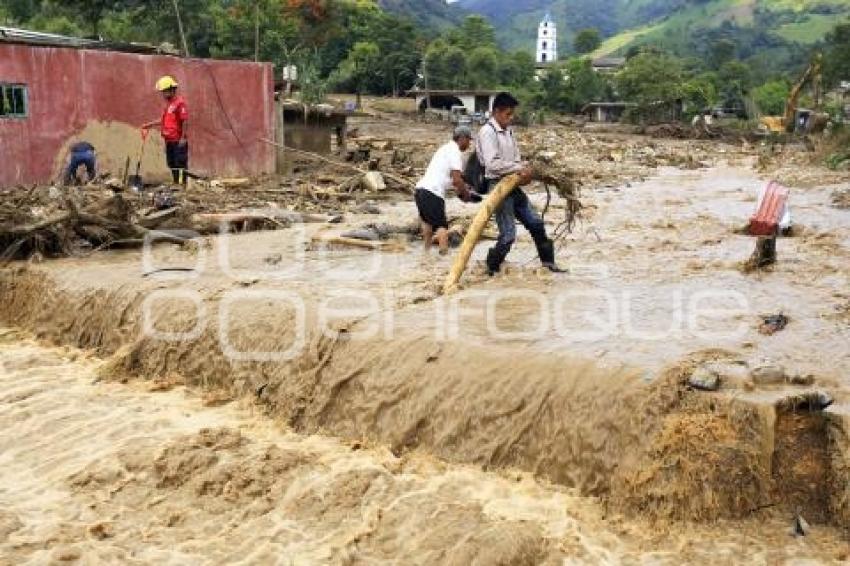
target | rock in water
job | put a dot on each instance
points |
(373, 181)
(801, 527)
(801, 379)
(362, 234)
(704, 380)
(768, 374)
(809, 401)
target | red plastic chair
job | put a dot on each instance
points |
(766, 219)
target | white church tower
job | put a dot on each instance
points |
(547, 40)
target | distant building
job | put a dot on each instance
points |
(474, 100)
(547, 40)
(606, 111)
(608, 64)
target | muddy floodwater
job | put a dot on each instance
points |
(98, 473)
(273, 401)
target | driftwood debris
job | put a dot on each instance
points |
(479, 222)
(334, 241)
(565, 186)
(235, 182)
(396, 182)
(29, 229)
(65, 224)
(155, 218)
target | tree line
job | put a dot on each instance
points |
(355, 46)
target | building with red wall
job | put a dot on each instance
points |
(71, 93)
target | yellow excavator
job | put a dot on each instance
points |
(790, 122)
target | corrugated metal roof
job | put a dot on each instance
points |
(41, 39)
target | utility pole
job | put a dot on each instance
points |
(257, 31)
(180, 28)
(427, 90)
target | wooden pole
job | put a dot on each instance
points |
(427, 89)
(257, 31)
(488, 207)
(180, 28)
(280, 135)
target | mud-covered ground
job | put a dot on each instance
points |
(530, 418)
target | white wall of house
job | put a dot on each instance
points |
(468, 101)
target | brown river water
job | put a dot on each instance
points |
(105, 473)
(510, 441)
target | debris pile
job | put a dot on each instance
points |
(841, 198)
(611, 160)
(47, 221)
(69, 221)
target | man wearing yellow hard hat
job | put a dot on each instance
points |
(174, 125)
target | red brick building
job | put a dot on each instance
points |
(56, 91)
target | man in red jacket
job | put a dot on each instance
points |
(174, 126)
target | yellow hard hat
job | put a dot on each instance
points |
(165, 83)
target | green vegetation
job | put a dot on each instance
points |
(772, 36)
(702, 54)
(587, 40)
(567, 87)
(770, 97)
(837, 55)
(324, 38)
(468, 57)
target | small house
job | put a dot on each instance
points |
(606, 111)
(474, 100)
(608, 65)
(59, 90)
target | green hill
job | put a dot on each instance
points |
(516, 21)
(770, 31)
(773, 21)
(431, 14)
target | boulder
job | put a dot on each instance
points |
(704, 380)
(768, 374)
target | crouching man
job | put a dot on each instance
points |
(82, 154)
(444, 171)
(498, 153)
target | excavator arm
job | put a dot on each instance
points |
(813, 71)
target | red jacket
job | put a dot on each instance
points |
(173, 116)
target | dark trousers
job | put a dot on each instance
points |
(177, 158)
(80, 158)
(516, 206)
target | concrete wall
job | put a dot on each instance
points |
(104, 96)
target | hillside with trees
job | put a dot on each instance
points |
(425, 14)
(706, 57)
(775, 27)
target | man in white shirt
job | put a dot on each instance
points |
(444, 171)
(498, 153)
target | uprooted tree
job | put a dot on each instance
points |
(565, 186)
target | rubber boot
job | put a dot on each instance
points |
(495, 257)
(546, 251)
